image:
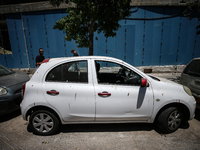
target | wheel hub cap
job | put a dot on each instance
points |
(43, 122)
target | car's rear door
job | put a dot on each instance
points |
(68, 88)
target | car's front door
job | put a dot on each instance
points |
(68, 88)
(119, 96)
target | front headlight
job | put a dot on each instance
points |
(187, 90)
(3, 91)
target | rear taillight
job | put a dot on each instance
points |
(23, 89)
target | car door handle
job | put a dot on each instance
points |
(53, 92)
(104, 94)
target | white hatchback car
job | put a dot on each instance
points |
(95, 89)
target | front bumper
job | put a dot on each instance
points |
(10, 103)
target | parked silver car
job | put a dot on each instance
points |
(190, 77)
(10, 89)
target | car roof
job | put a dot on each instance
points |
(45, 66)
(82, 57)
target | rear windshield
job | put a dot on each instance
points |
(193, 68)
(5, 71)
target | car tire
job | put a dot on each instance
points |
(43, 122)
(169, 120)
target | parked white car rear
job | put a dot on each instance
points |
(97, 89)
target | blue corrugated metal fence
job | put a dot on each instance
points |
(151, 36)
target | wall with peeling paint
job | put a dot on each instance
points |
(150, 36)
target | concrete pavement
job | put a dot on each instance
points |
(16, 135)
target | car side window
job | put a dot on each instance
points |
(113, 73)
(193, 68)
(69, 72)
(55, 74)
(75, 72)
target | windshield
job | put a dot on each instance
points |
(5, 71)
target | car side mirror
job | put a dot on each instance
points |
(144, 83)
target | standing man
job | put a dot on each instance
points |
(76, 64)
(74, 52)
(39, 58)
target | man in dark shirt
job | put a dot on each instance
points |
(39, 58)
(74, 52)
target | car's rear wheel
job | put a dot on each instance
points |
(44, 122)
(170, 119)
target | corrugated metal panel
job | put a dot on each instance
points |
(17, 42)
(156, 36)
(6, 60)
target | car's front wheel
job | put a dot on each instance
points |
(170, 119)
(44, 122)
